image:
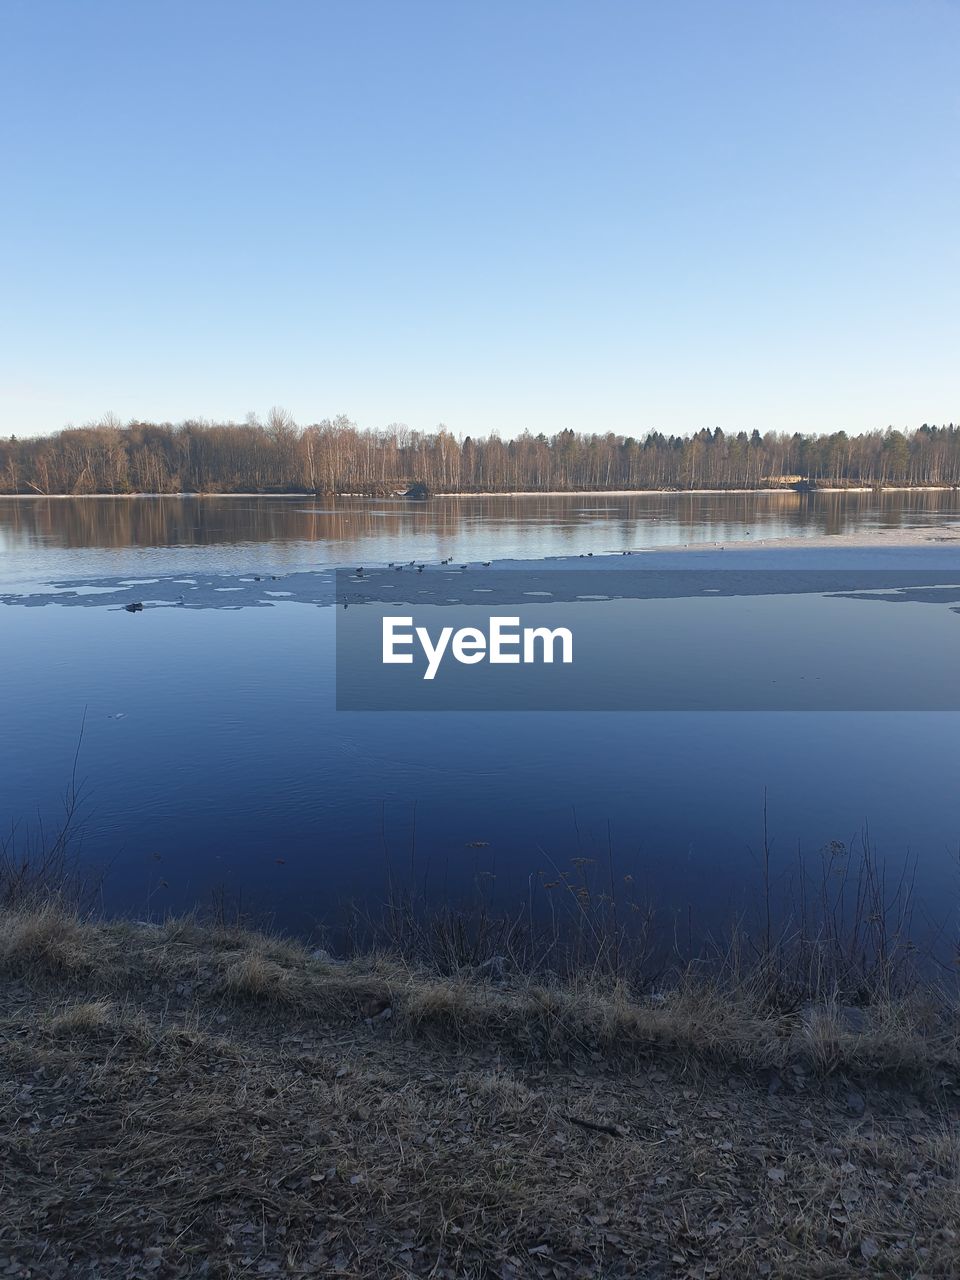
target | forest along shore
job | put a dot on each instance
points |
(178, 1092)
(335, 456)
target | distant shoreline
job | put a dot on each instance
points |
(680, 493)
(514, 493)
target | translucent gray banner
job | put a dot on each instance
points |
(442, 638)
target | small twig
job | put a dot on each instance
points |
(615, 1131)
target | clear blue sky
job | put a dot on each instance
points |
(498, 215)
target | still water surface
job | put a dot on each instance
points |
(214, 757)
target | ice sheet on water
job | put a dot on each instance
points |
(652, 575)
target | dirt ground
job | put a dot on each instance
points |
(186, 1107)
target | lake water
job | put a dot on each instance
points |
(214, 755)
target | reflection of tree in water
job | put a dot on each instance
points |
(631, 519)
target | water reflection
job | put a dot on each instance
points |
(350, 523)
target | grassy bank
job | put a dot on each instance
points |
(185, 1099)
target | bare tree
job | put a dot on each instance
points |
(335, 456)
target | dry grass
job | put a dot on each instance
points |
(82, 1018)
(183, 1101)
(723, 1021)
(48, 938)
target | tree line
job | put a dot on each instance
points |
(335, 456)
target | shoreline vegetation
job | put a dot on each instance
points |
(184, 1099)
(782, 490)
(336, 457)
(453, 1092)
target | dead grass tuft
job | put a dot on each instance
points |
(254, 977)
(87, 1016)
(48, 938)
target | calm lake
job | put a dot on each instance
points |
(214, 756)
